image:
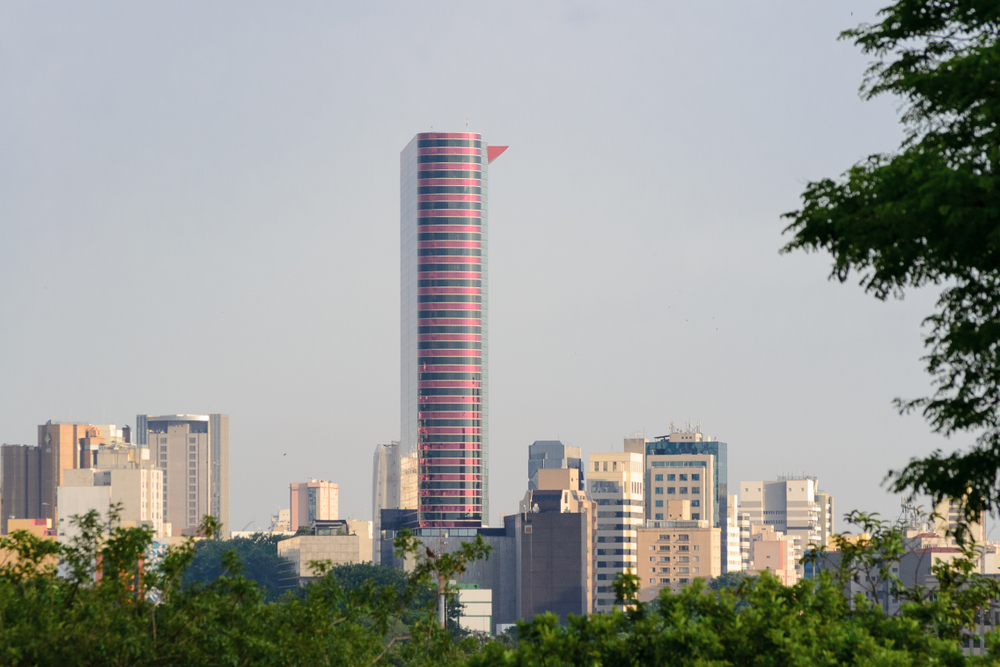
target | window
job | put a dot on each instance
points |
(664, 581)
(614, 466)
(684, 477)
(696, 547)
(671, 477)
(658, 490)
(659, 503)
(695, 477)
(652, 559)
(659, 517)
(695, 516)
(602, 552)
(664, 538)
(665, 570)
(695, 489)
(695, 503)
(192, 440)
(670, 490)
(658, 477)
(684, 489)
(602, 577)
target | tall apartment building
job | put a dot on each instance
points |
(193, 452)
(794, 506)
(615, 483)
(311, 500)
(444, 377)
(552, 454)
(674, 553)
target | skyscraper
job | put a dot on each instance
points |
(444, 415)
(193, 452)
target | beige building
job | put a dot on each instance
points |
(793, 506)
(615, 482)
(193, 453)
(774, 551)
(311, 500)
(138, 490)
(338, 542)
(674, 553)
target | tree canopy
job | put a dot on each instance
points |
(929, 214)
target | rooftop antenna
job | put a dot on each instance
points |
(467, 123)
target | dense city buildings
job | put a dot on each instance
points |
(193, 452)
(794, 506)
(615, 483)
(31, 475)
(444, 377)
(311, 500)
(691, 441)
(136, 489)
(552, 454)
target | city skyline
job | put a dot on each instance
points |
(248, 182)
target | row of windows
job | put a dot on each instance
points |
(447, 157)
(456, 205)
(449, 282)
(450, 470)
(450, 500)
(449, 189)
(450, 173)
(451, 486)
(673, 477)
(449, 391)
(435, 143)
(449, 314)
(431, 438)
(456, 220)
(450, 298)
(441, 423)
(695, 516)
(428, 268)
(448, 329)
(616, 552)
(450, 407)
(450, 361)
(449, 345)
(450, 236)
(433, 252)
(619, 515)
(672, 490)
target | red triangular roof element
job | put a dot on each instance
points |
(493, 152)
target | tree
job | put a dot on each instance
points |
(930, 215)
(258, 555)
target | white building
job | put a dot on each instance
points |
(615, 481)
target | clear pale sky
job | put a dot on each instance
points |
(199, 212)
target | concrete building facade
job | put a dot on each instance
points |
(672, 554)
(311, 500)
(552, 454)
(340, 542)
(138, 490)
(386, 488)
(193, 453)
(615, 483)
(793, 506)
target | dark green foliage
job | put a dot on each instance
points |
(930, 215)
(257, 554)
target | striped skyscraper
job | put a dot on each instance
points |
(443, 305)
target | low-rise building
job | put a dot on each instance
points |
(339, 542)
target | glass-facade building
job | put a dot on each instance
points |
(444, 413)
(719, 451)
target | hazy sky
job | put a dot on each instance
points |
(199, 212)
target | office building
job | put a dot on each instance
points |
(773, 550)
(193, 453)
(385, 486)
(555, 548)
(312, 500)
(552, 454)
(444, 377)
(20, 485)
(615, 484)
(339, 542)
(138, 490)
(794, 506)
(691, 442)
